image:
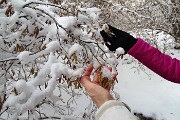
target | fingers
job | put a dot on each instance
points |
(111, 48)
(108, 40)
(111, 27)
(107, 37)
(89, 70)
(96, 77)
(115, 30)
(85, 79)
(104, 35)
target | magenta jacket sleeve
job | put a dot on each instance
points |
(164, 65)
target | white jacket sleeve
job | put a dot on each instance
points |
(114, 110)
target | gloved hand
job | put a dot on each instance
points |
(118, 38)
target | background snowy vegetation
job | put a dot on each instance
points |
(45, 46)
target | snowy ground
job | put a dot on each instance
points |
(155, 97)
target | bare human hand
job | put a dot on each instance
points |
(97, 93)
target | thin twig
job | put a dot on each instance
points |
(8, 59)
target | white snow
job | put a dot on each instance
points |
(20, 85)
(52, 46)
(144, 91)
(155, 97)
(17, 5)
(120, 51)
(67, 22)
(106, 73)
(76, 48)
(25, 57)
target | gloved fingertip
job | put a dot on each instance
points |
(109, 25)
(107, 45)
(103, 33)
(113, 29)
(111, 48)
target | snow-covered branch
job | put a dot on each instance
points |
(51, 45)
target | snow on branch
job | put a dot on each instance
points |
(50, 46)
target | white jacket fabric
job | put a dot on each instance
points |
(114, 110)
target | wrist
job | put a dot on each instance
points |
(131, 42)
(101, 101)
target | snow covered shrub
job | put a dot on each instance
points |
(135, 15)
(46, 46)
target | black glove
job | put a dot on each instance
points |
(117, 39)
